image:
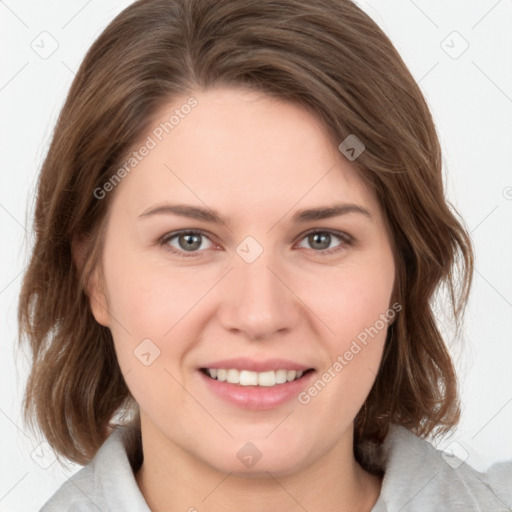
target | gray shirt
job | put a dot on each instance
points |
(417, 477)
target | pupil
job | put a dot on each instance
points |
(191, 241)
(320, 240)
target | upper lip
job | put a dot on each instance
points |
(254, 365)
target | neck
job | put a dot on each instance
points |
(172, 479)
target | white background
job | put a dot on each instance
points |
(471, 100)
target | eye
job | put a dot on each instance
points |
(184, 242)
(191, 243)
(320, 241)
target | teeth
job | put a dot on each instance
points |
(233, 376)
(267, 378)
(248, 378)
(281, 376)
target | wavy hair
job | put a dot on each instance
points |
(327, 56)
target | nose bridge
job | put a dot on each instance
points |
(259, 303)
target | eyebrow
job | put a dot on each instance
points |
(301, 216)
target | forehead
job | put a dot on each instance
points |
(237, 148)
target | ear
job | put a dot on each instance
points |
(94, 287)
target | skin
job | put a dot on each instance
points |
(256, 161)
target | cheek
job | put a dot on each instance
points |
(150, 300)
(154, 316)
(351, 299)
(356, 312)
(354, 303)
(146, 308)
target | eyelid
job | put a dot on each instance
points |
(341, 234)
(173, 234)
(164, 240)
(345, 238)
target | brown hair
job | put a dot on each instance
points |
(327, 56)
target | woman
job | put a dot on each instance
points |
(240, 227)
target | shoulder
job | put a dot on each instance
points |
(419, 477)
(106, 483)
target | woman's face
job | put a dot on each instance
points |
(270, 282)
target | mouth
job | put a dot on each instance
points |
(267, 379)
(255, 385)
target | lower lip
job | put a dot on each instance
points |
(257, 397)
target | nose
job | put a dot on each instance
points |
(259, 301)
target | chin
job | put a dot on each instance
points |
(258, 458)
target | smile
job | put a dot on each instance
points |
(251, 378)
(255, 384)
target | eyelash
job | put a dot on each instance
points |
(344, 237)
